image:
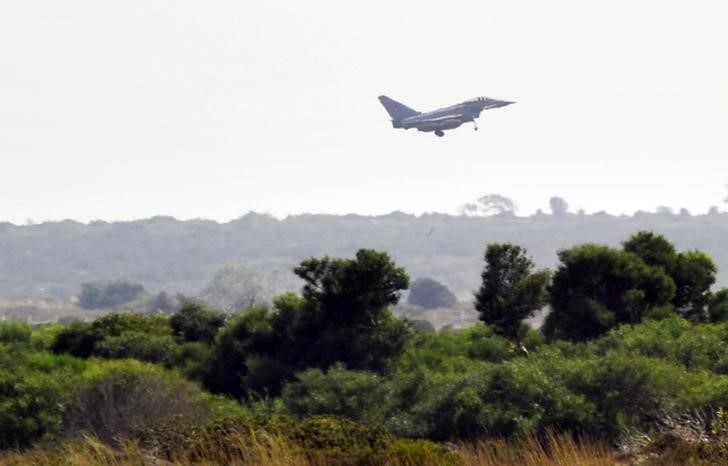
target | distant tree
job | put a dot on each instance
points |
(98, 295)
(510, 291)
(597, 287)
(239, 286)
(165, 302)
(422, 326)
(491, 204)
(559, 207)
(430, 294)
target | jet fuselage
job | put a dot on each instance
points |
(442, 119)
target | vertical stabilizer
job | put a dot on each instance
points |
(396, 110)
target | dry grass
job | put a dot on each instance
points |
(556, 450)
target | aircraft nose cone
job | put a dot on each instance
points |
(503, 103)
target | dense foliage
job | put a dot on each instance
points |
(636, 335)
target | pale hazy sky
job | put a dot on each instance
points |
(129, 109)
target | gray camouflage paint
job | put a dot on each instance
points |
(442, 119)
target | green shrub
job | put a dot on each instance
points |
(43, 338)
(150, 348)
(129, 334)
(673, 450)
(354, 395)
(194, 359)
(694, 346)
(30, 407)
(33, 389)
(14, 332)
(116, 323)
(341, 441)
(484, 344)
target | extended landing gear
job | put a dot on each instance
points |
(475, 126)
(439, 133)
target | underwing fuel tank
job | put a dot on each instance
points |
(440, 125)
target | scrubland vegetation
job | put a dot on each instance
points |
(630, 367)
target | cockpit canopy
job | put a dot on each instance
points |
(476, 100)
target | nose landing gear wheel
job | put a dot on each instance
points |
(439, 133)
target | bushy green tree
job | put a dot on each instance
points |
(345, 317)
(597, 287)
(194, 322)
(78, 339)
(694, 275)
(141, 346)
(654, 250)
(693, 272)
(355, 395)
(81, 339)
(510, 291)
(248, 356)
(342, 317)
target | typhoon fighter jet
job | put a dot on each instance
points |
(441, 119)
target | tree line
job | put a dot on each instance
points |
(52, 260)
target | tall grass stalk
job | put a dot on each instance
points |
(240, 450)
(554, 450)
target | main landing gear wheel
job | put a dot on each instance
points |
(439, 133)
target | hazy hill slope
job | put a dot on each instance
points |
(53, 259)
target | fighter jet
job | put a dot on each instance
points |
(441, 119)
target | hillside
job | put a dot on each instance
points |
(51, 260)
